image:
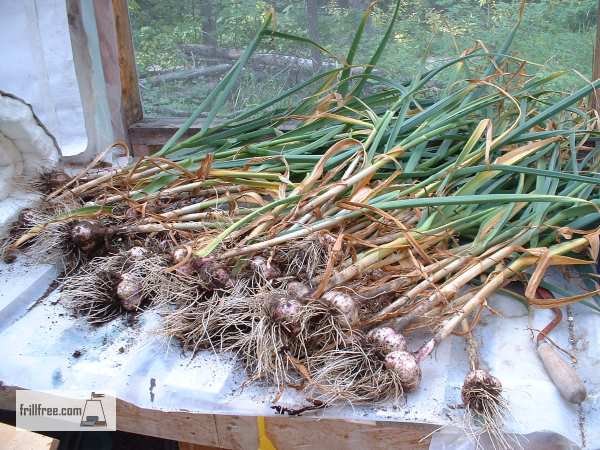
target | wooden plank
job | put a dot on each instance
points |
(188, 446)
(149, 135)
(158, 131)
(132, 103)
(118, 64)
(177, 425)
(109, 52)
(293, 433)
(241, 432)
(12, 438)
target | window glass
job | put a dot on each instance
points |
(183, 47)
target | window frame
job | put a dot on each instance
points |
(146, 135)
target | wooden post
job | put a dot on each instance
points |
(132, 104)
(118, 65)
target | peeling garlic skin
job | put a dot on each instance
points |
(212, 272)
(82, 232)
(388, 339)
(178, 255)
(407, 368)
(344, 303)
(129, 292)
(287, 312)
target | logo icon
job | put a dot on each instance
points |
(93, 412)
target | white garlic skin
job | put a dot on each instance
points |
(258, 262)
(388, 339)
(179, 254)
(137, 252)
(129, 292)
(406, 367)
(343, 303)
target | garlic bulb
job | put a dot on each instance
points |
(297, 290)
(287, 310)
(129, 291)
(137, 252)
(88, 235)
(264, 267)
(387, 339)
(343, 303)
(479, 387)
(407, 368)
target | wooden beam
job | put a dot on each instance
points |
(241, 432)
(118, 64)
(12, 438)
(132, 103)
(188, 446)
(149, 135)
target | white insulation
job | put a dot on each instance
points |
(27, 149)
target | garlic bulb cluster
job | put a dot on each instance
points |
(397, 356)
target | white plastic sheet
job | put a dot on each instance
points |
(37, 351)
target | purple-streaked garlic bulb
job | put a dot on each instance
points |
(297, 290)
(56, 179)
(88, 235)
(287, 311)
(137, 252)
(211, 271)
(264, 267)
(388, 339)
(129, 292)
(406, 367)
(344, 303)
(479, 387)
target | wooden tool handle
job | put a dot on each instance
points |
(562, 374)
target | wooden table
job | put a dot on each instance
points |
(197, 431)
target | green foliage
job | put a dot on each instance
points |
(555, 34)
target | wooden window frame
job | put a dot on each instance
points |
(147, 135)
